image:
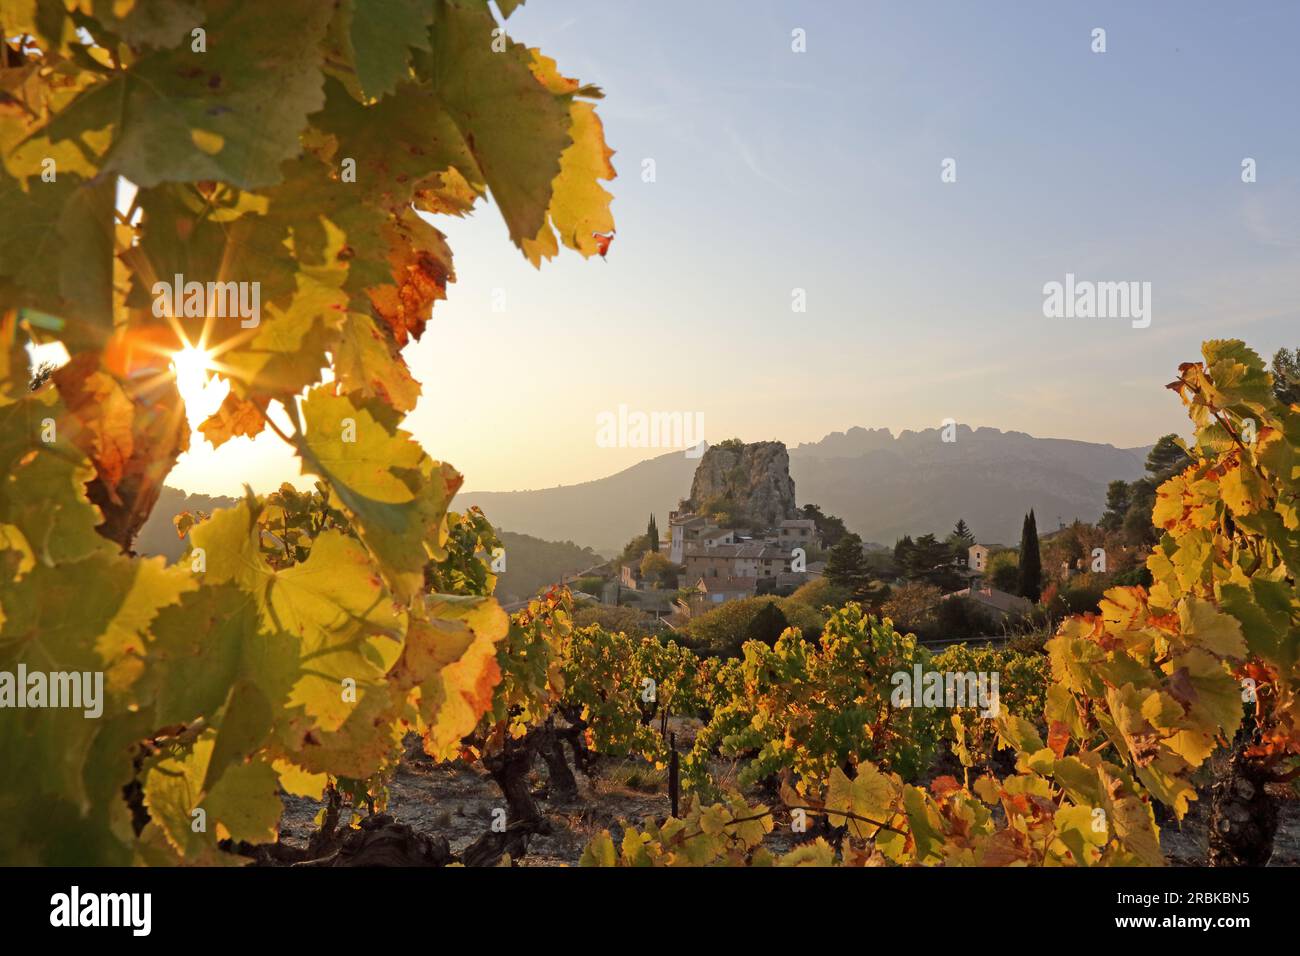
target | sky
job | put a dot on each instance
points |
(820, 170)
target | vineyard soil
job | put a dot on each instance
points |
(456, 801)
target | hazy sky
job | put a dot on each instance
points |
(820, 170)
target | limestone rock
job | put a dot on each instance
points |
(755, 478)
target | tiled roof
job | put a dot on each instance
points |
(762, 552)
(717, 551)
(688, 521)
(992, 597)
(715, 585)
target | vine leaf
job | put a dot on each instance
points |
(397, 496)
(513, 125)
(451, 658)
(248, 95)
(378, 41)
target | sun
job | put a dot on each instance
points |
(191, 365)
(201, 393)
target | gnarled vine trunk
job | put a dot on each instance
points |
(1243, 815)
(551, 748)
(509, 768)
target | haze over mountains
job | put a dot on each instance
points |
(883, 487)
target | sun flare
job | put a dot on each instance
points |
(201, 392)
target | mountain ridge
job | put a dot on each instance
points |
(882, 485)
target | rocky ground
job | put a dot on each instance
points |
(457, 801)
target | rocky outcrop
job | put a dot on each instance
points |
(754, 479)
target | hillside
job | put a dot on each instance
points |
(533, 564)
(601, 514)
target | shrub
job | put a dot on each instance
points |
(724, 629)
(1003, 571)
(819, 593)
(626, 620)
(591, 584)
(912, 606)
(961, 617)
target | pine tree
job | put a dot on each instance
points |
(902, 548)
(1166, 458)
(1031, 562)
(1119, 496)
(1286, 376)
(846, 566)
(829, 528)
(961, 530)
(652, 534)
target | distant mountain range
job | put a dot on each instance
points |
(883, 487)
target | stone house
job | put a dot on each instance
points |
(735, 561)
(794, 533)
(714, 591)
(685, 529)
(713, 537)
(999, 604)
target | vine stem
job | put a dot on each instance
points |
(839, 813)
(276, 428)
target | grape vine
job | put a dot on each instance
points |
(257, 180)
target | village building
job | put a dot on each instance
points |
(735, 561)
(999, 604)
(713, 537)
(683, 529)
(794, 533)
(713, 591)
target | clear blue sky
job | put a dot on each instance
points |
(821, 170)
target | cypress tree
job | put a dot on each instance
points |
(652, 534)
(1031, 562)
